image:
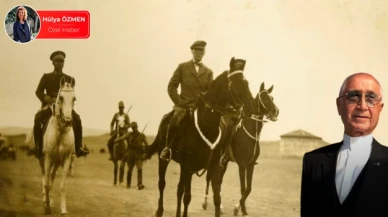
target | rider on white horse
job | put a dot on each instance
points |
(47, 92)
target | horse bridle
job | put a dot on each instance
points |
(256, 118)
(211, 107)
(53, 106)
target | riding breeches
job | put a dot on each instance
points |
(134, 160)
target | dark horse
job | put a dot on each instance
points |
(245, 147)
(195, 147)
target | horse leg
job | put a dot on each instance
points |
(241, 171)
(162, 184)
(204, 204)
(115, 168)
(41, 165)
(187, 195)
(121, 172)
(216, 180)
(180, 191)
(65, 171)
(53, 173)
(248, 189)
(47, 185)
(223, 171)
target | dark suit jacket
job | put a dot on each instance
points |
(192, 83)
(50, 83)
(21, 32)
(367, 198)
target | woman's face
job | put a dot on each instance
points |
(21, 14)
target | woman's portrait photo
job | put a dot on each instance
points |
(22, 24)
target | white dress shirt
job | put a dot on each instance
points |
(196, 66)
(352, 157)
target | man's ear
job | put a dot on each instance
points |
(338, 106)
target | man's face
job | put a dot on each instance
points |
(134, 128)
(198, 54)
(58, 64)
(358, 117)
(121, 108)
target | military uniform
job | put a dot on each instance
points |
(118, 126)
(194, 78)
(47, 92)
(136, 149)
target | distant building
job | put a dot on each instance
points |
(296, 143)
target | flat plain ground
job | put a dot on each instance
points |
(90, 192)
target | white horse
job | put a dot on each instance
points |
(29, 142)
(58, 144)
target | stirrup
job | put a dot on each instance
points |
(161, 154)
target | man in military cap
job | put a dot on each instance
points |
(137, 146)
(194, 78)
(47, 92)
(120, 123)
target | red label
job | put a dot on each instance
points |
(64, 24)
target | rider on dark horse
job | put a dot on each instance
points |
(231, 118)
(47, 92)
(194, 78)
(120, 123)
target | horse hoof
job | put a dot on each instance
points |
(204, 205)
(64, 212)
(222, 210)
(235, 211)
(245, 215)
(47, 211)
(158, 214)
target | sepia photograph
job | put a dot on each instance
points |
(271, 108)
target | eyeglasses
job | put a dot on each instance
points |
(354, 97)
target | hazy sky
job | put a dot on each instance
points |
(304, 48)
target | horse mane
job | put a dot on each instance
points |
(67, 87)
(217, 85)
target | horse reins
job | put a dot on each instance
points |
(257, 119)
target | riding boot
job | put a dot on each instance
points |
(228, 141)
(140, 179)
(38, 134)
(38, 137)
(110, 147)
(79, 152)
(166, 153)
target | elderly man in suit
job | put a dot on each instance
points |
(349, 178)
(194, 78)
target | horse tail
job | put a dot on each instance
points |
(154, 147)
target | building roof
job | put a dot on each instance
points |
(299, 134)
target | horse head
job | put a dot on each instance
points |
(231, 87)
(65, 102)
(265, 105)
